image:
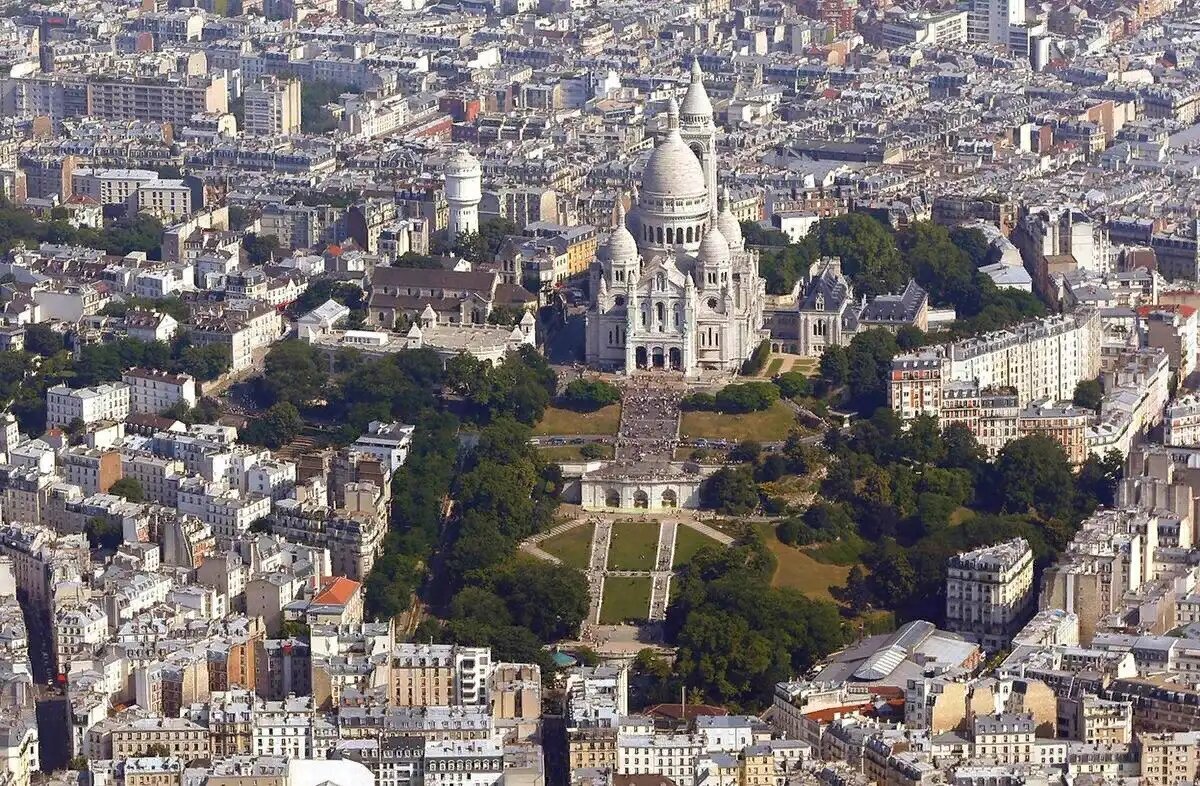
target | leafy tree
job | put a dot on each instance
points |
(735, 635)
(586, 395)
(262, 525)
(746, 397)
(550, 600)
(870, 258)
(502, 314)
(870, 367)
(835, 365)
(973, 243)
(731, 491)
(294, 372)
(295, 629)
(206, 362)
(239, 218)
(856, 594)
(746, 451)
(259, 249)
(492, 232)
(102, 533)
(42, 339)
(1032, 473)
(793, 384)
(277, 427)
(129, 488)
(1097, 482)
(757, 359)
(1089, 394)
(592, 450)
(315, 95)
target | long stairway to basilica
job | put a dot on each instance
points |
(649, 429)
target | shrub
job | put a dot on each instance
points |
(746, 397)
(590, 395)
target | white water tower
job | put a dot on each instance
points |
(464, 189)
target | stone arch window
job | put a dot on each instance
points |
(660, 313)
(689, 234)
(658, 233)
(670, 236)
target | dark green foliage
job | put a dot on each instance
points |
(738, 398)
(42, 339)
(274, 429)
(103, 533)
(736, 636)
(758, 359)
(167, 305)
(792, 384)
(505, 315)
(239, 217)
(314, 96)
(867, 249)
(731, 491)
(520, 387)
(1031, 474)
(294, 371)
(587, 395)
(259, 249)
(129, 489)
(864, 367)
(1088, 394)
(322, 289)
(206, 362)
(419, 488)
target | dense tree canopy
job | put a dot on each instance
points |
(736, 635)
(294, 371)
(588, 395)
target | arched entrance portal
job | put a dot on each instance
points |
(676, 358)
(641, 499)
(612, 498)
(657, 356)
(640, 357)
(668, 499)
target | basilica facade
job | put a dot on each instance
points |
(674, 286)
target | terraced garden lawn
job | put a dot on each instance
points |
(625, 598)
(573, 547)
(687, 542)
(634, 545)
(770, 425)
(568, 422)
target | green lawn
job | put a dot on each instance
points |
(558, 421)
(571, 452)
(770, 425)
(773, 367)
(634, 545)
(796, 569)
(625, 598)
(807, 366)
(687, 542)
(573, 547)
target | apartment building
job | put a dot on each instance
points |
(439, 674)
(109, 186)
(151, 391)
(1181, 421)
(463, 763)
(170, 200)
(93, 470)
(673, 756)
(989, 592)
(178, 736)
(110, 401)
(272, 107)
(172, 100)
(1065, 423)
(1169, 758)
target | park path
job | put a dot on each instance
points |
(660, 579)
(597, 564)
(704, 529)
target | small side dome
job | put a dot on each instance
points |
(714, 248)
(727, 222)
